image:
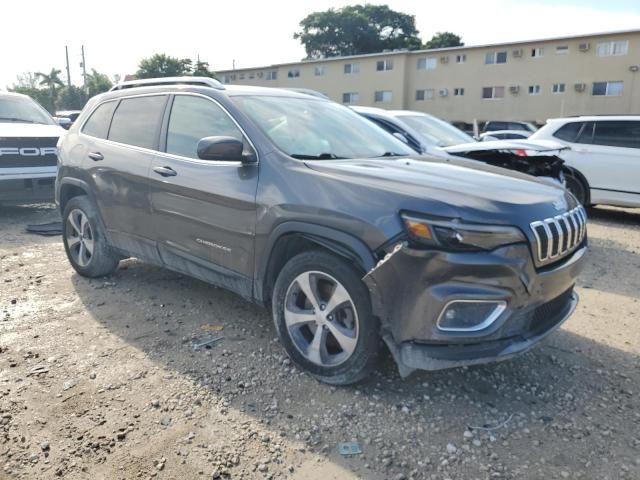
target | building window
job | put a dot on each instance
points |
(424, 94)
(458, 92)
(241, 76)
(350, 98)
(495, 57)
(607, 49)
(558, 87)
(272, 75)
(534, 89)
(293, 73)
(384, 65)
(426, 63)
(562, 49)
(252, 75)
(492, 92)
(461, 58)
(537, 52)
(320, 71)
(609, 89)
(351, 68)
(383, 96)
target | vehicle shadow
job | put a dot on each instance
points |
(571, 387)
(614, 215)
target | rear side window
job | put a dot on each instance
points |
(137, 120)
(192, 119)
(617, 134)
(493, 126)
(569, 131)
(99, 121)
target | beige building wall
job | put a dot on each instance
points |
(576, 64)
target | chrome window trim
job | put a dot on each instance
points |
(501, 306)
(234, 163)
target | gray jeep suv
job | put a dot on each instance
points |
(301, 205)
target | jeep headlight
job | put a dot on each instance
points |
(457, 236)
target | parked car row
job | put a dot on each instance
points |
(348, 235)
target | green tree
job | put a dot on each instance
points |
(357, 29)
(71, 98)
(162, 65)
(52, 82)
(97, 83)
(444, 40)
(201, 69)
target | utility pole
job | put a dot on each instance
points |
(84, 70)
(66, 52)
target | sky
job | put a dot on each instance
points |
(117, 34)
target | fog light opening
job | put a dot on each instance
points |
(470, 315)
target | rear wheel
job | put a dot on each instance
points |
(577, 187)
(322, 313)
(84, 240)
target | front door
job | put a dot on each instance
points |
(204, 212)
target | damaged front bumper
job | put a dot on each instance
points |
(411, 289)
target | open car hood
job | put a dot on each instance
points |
(497, 145)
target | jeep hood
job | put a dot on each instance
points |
(29, 130)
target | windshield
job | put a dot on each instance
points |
(435, 131)
(315, 129)
(23, 110)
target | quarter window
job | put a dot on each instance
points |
(426, 63)
(194, 118)
(99, 121)
(608, 89)
(617, 134)
(136, 121)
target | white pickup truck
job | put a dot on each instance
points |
(28, 153)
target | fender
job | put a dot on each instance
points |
(84, 186)
(339, 242)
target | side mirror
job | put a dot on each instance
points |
(227, 149)
(63, 122)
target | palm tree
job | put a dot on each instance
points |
(51, 81)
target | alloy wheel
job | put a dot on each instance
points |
(321, 318)
(79, 237)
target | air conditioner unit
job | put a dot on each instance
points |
(584, 47)
(515, 89)
(444, 59)
(580, 87)
(443, 92)
(517, 53)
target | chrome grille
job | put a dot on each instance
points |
(559, 235)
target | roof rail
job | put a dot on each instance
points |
(150, 82)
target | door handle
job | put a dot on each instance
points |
(165, 171)
(96, 156)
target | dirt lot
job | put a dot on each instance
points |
(99, 379)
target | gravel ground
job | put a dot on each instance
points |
(99, 379)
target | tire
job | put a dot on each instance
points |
(338, 341)
(577, 187)
(84, 240)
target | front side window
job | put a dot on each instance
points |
(608, 89)
(194, 118)
(136, 121)
(309, 128)
(99, 121)
(617, 134)
(18, 109)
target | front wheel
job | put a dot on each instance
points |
(322, 313)
(578, 188)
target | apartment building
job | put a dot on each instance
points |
(532, 80)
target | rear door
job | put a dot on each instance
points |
(121, 140)
(204, 212)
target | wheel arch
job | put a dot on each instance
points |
(291, 238)
(580, 176)
(69, 188)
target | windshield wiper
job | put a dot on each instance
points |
(14, 119)
(392, 154)
(322, 156)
